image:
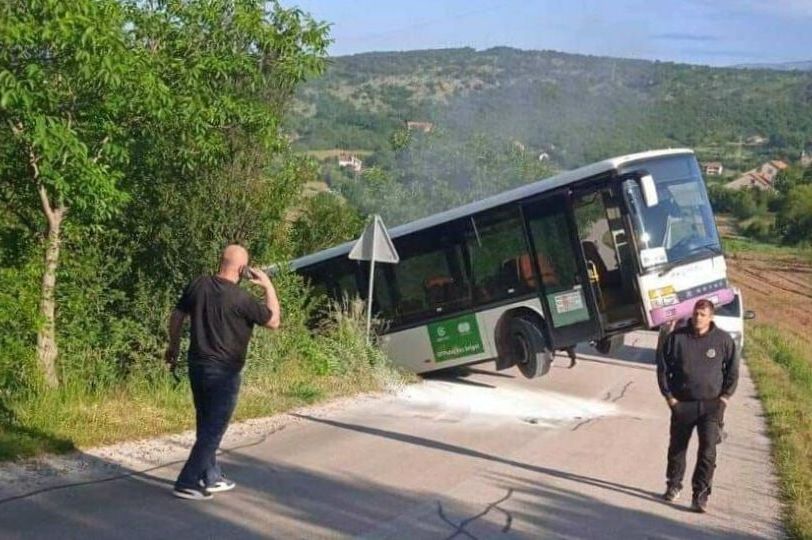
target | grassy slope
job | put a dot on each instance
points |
(284, 371)
(777, 285)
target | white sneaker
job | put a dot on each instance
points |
(223, 484)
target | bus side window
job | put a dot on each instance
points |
(495, 243)
(527, 276)
(384, 304)
(430, 277)
(438, 289)
(336, 280)
(550, 234)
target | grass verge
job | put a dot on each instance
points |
(284, 371)
(734, 246)
(782, 370)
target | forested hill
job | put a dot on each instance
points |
(577, 108)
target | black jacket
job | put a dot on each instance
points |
(692, 367)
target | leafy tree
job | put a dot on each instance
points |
(232, 68)
(67, 76)
(400, 139)
(326, 220)
(794, 220)
(136, 109)
(791, 177)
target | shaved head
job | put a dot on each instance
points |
(234, 257)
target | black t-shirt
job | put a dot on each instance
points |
(223, 317)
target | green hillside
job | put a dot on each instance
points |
(576, 108)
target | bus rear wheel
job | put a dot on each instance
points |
(527, 344)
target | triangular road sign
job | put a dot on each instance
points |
(375, 244)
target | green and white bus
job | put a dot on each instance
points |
(584, 256)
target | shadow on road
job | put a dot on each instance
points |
(456, 376)
(461, 450)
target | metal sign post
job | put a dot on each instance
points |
(369, 295)
(374, 245)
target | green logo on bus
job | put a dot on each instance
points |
(455, 338)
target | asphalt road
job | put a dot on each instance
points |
(579, 453)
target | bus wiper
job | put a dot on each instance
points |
(667, 267)
(710, 247)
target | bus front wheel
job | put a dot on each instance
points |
(533, 358)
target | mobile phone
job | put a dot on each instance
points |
(246, 273)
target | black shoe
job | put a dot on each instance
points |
(672, 493)
(699, 503)
(571, 354)
(192, 493)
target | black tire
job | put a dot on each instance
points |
(603, 346)
(609, 345)
(529, 348)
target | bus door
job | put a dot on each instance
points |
(568, 303)
(605, 243)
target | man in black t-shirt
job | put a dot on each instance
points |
(223, 317)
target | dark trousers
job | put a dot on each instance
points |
(214, 389)
(707, 416)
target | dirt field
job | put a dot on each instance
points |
(777, 286)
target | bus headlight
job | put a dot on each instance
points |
(662, 297)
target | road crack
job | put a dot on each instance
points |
(608, 396)
(459, 529)
(582, 423)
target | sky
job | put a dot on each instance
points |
(712, 32)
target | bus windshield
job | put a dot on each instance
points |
(681, 225)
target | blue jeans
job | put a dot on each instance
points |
(214, 389)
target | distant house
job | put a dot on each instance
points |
(761, 177)
(425, 127)
(751, 180)
(772, 168)
(350, 161)
(755, 140)
(806, 159)
(714, 168)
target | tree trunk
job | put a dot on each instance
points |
(46, 337)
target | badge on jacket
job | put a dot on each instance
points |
(710, 353)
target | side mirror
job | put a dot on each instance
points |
(649, 190)
(749, 314)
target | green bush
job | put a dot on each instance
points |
(326, 220)
(19, 304)
(794, 220)
(760, 229)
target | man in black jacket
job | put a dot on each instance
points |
(697, 371)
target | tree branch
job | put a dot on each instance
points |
(16, 129)
(101, 147)
(46, 204)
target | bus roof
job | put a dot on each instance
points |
(539, 186)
